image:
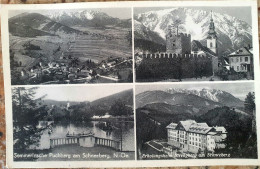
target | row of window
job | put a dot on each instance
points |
(239, 59)
(241, 67)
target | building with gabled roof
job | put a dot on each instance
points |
(241, 60)
(194, 137)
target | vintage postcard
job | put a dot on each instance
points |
(131, 84)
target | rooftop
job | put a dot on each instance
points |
(242, 51)
(172, 126)
(194, 127)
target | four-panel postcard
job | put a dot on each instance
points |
(131, 84)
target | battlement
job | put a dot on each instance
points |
(181, 35)
(170, 55)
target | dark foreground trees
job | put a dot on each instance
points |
(26, 114)
(119, 108)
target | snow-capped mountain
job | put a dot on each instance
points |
(83, 18)
(232, 33)
(211, 94)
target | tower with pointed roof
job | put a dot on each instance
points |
(212, 37)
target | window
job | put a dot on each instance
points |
(237, 59)
(246, 59)
(237, 68)
(240, 59)
(211, 45)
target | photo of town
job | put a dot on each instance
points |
(193, 44)
(70, 46)
(193, 121)
(69, 123)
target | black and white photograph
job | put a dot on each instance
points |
(193, 44)
(196, 121)
(70, 46)
(85, 123)
(131, 84)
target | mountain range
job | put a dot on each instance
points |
(186, 102)
(90, 18)
(61, 23)
(214, 95)
(232, 32)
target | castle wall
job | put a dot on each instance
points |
(174, 66)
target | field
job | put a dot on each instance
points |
(97, 46)
(101, 44)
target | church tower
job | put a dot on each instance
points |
(212, 37)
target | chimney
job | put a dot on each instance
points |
(249, 46)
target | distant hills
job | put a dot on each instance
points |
(99, 106)
(105, 102)
(35, 24)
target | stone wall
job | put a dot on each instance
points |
(162, 66)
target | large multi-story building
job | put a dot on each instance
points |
(191, 136)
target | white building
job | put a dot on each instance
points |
(191, 136)
(241, 60)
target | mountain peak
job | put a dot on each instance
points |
(232, 32)
(210, 94)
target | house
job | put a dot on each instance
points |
(242, 59)
(194, 137)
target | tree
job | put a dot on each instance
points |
(250, 103)
(119, 108)
(26, 115)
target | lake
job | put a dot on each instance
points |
(62, 128)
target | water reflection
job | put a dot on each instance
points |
(60, 130)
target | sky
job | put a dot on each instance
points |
(79, 93)
(242, 13)
(239, 90)
(121, 13)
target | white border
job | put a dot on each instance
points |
(134, 163)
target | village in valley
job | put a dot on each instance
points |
(57, 52)
(70, 70)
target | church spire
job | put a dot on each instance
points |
(212, 36)
(211, 32)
